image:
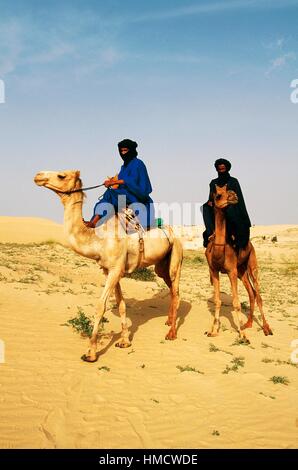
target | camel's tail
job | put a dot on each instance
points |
(169, 267)
(176, 258)
(253, 272)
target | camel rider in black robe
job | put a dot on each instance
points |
(238, 222)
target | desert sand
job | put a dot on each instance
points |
(195, 392)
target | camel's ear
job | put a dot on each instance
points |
(77, 174)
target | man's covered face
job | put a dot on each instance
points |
(127, 150)
(123, 150)
(221, 168)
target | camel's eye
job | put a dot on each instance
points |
(61, 177)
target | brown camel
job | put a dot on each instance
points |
(222, 257)
(116, 252)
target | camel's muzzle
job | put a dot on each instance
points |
(40, 179)
(222, 205)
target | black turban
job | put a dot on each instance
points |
(223, 161)
(127, 143)
(132, 153)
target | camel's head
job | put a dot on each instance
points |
(223, 197)
(59, 181)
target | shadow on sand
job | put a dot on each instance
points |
(140, 312)
(227, 309)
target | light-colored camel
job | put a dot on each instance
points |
(222, 257)
(116, 252)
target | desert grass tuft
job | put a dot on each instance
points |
(213, 348)
(188, 368)
(142, 274)
(279, 379)
(236, 363)
(83, 324)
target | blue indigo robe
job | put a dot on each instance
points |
(136, 190)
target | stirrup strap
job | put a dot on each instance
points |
(133, 220)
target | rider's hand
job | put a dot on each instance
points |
(108, 183)
(210, 203)
(114, 183)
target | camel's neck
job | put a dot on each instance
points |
(218, 248)
(79, 236)
(73, 221)
(220, 226)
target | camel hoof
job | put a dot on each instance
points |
(171, 335)
(210, 334)
(267, 330)
(122, 345)
(89, 358)
(244, 340)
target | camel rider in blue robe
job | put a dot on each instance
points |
(238, 222)
(130, 188)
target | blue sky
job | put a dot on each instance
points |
(191, 81)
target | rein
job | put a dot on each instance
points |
(79, 190)
(83, 189)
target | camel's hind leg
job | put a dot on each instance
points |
(253, 273)
(174, 305)
(252, 298)
(233, 275)
(214, 278)
(170, 270)
(124, 341)
(162, 270)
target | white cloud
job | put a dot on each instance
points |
(284, 57)
(24, 42)
(178, 58)
(281, 61)
(11, 45)
(51, 54)
(210, 7)
(280, 43)
(276, 45)
(110, 56)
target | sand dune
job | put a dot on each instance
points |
(137, 397)
(29, 230)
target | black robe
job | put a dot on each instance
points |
(238, 221)
(233, 184)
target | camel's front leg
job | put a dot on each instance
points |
(252, 298)
(215, 325)
(111, 281)
(124, 341)
(233, 276)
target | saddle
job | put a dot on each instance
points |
(131, 224)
